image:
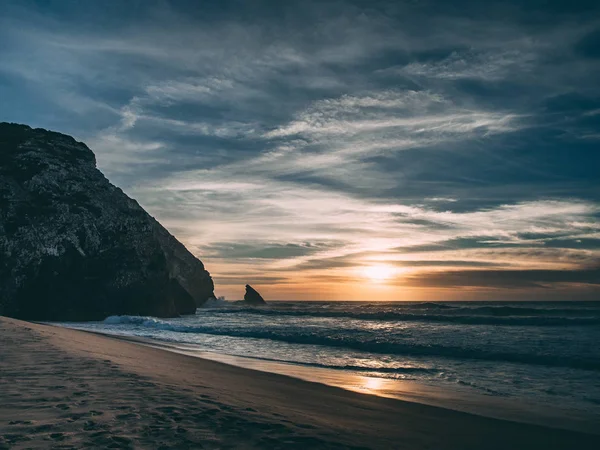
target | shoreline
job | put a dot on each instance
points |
(66, 386)
(456, 399)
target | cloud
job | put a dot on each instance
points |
(487, 66)
(260, 250)
(409, 112)
(588, 45)
(503, 279)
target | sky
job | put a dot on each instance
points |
(336, 150)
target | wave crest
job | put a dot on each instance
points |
(400, 316)
(379, 347)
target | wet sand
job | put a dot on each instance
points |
(457, 399)
(63, 388)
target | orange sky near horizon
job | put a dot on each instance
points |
(383, 283)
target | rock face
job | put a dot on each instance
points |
(252, 296)
(75, 247)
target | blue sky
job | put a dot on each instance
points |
(336, 150)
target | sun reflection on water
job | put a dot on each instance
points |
(372, 383)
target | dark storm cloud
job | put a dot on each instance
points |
(249, 278)
(511, 279)
(589, 45)
(262, 251)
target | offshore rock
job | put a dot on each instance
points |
(75, 247)
(252, 296)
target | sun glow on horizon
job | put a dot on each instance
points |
(379, 273)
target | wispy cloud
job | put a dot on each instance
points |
(486, 66)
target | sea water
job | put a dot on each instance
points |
(543, 354)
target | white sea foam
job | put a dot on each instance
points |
(135, 320)
(219, 302)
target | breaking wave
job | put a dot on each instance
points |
(354, 342)
(468, 316)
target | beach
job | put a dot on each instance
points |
(64, 388)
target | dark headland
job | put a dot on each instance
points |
(75, 247)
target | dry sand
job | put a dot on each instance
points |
(62, 388)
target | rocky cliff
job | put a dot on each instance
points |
(252, 296)
(75, 247)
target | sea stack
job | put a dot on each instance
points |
(75, 247)
(252, 297)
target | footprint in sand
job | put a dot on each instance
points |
(13, 438)
(128, 416)
(57, 436)
(120, 442)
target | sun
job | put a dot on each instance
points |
(379, 272)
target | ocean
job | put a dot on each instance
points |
(532, 355)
